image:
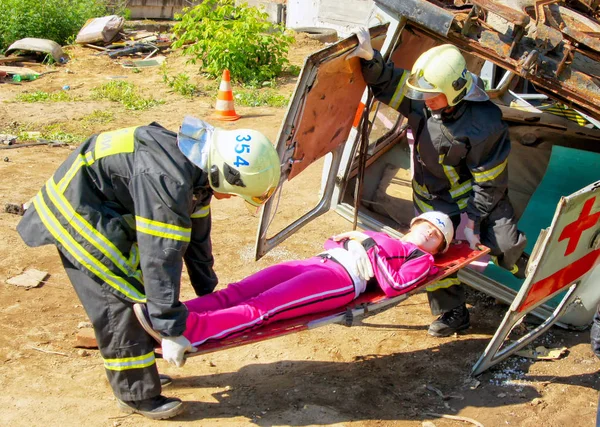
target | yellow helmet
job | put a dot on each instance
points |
(243, 162)
(443, 69)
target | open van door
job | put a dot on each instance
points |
(566, 256)
(318, 121)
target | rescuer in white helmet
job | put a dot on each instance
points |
(126, 210)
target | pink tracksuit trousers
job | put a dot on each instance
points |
(295, 288)
(283, 291)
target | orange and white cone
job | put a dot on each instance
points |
(224, 108)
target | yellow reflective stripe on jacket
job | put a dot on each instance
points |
(449, 171)
(461, 189)
(81, 160)
(490, 174)
(66, 179)
(115, 142)
(162, 229)
(89, 158)
(85, 229)
(399, 92)
(462, 203)
(81, 255)
(134, 256)
(126, 363)
(201, 212)
(421, 190)
(444, 283)
(423, 207)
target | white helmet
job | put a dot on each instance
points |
(245, 163)
(441, 221)
(443, 69)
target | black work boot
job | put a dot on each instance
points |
(520, 268)
(155, 408)
(450, 322)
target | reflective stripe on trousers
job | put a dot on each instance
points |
(127, 350)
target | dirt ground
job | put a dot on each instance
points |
(378, 374)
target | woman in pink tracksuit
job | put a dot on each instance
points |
(327, 281)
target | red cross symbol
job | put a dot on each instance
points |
(574, 230)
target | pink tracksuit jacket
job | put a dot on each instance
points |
(295, 288)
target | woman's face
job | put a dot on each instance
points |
(427, 237)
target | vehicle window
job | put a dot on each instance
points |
(384, 122)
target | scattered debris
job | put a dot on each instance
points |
(455, 417)
(85, 338)
(14, 208)
(41, 141)
(472, 383)
(83, 353)
(82, 325)
(144, 63)
(7, 139)
(45, 46)
(427, 424)
(442, 395)
(49, 351)
(30, 278)
(22, 73)
(104, 29)
(542, 353)
(536, 401)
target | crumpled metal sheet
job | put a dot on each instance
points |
(560, 45)
(39, 45)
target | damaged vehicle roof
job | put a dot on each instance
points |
(555, 45)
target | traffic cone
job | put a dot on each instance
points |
(224, 108)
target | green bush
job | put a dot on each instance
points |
(56, 20)
(221, 35)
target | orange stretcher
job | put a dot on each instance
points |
(458, 256)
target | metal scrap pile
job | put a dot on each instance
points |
(108, 35)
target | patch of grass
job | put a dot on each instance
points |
(125, 93)
(55, 132)
(261, 98)
(294, 70)
(41, 96)
(99, 116)
(181, 84)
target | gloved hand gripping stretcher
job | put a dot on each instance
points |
(372, 301)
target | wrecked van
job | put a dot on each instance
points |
(541, 65)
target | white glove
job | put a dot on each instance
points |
(364, 49)
(362, 266)
(173, 349)
(472, 238)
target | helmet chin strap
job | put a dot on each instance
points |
(437, 114)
